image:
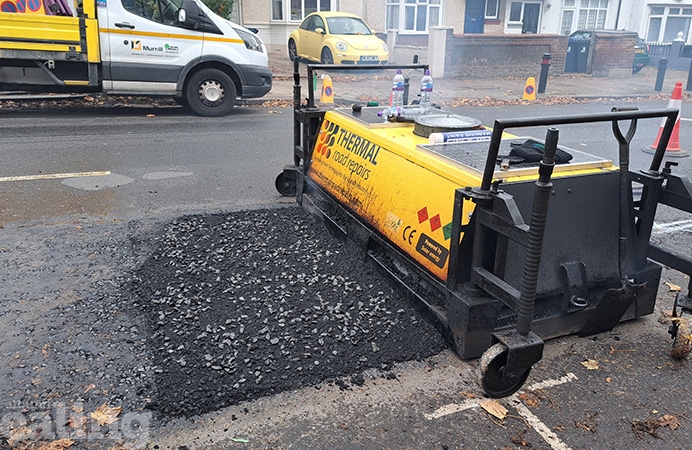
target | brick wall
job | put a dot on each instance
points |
(613, 53)
(479, 55)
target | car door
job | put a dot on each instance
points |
(144, 50)
(310, 40)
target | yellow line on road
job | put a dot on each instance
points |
(50, 176)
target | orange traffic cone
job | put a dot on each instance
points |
(327, 90)
(673, 148)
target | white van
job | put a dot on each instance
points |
(176, 48)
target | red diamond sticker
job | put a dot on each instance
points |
(422, 215)
(435, 222)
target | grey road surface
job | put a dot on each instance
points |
(63, 176)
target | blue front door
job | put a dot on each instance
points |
(475, 15)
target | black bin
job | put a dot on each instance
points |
(578, 47)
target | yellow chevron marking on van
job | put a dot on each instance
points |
(171, 35)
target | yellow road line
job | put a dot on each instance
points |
(50, 176)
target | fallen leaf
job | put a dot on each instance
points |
(60, 444)
(19, 434)
(609, 379)
(151, 115)
(673, 287)
(494, 408)
(76, 423)
(106, 415)
(669, 421)
(529, 399)
(240, 440)
(590, 364)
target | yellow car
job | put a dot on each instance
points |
(337, 38)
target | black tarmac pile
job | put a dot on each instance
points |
(252, 303)
(184, 317)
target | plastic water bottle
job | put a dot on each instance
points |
(426, 92)
(398, 90)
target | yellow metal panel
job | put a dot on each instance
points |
(92, 39)
(55, 29)
(382, 178)
(402, 191)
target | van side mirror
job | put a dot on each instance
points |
(188, 14)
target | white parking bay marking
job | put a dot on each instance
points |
(51, 176)
(540, 428)
(672, 227)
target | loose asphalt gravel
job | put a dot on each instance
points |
(186, 317)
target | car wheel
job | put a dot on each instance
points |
(292, 50)
(210, 93)
(327, 57)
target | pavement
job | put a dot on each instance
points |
(368, 85)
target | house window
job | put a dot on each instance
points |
(515, 11)
(666, 22)
(413, 16)
(592, 14)
(492, 9)
(277, 10)
(567, 19)
(298, 9)
(568, 15)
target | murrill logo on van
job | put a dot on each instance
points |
(138, 46)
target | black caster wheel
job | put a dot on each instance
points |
(286, 185)
(490, 373)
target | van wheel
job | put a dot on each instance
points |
(210, 93)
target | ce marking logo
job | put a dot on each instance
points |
(408, 234)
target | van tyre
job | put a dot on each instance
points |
(210, 93)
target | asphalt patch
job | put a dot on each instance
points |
(252, 303)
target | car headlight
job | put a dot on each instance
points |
(252, 42)
(384, 47)
(341, 46)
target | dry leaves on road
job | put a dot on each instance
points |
(105, 415)
(494, 408)
(590, 364)
(651, 426)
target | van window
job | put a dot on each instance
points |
(162, 11)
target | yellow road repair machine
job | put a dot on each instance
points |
(500, 251)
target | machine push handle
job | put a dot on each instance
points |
(625, 189)
(534, 247)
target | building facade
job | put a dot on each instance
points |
(412, 20)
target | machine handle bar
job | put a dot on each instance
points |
(670, 114)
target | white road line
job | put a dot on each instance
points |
(50, 176)
(541, 428)
(452, 408)
(550, 383)
(672, 227)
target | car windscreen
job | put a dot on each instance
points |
(347, 25)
